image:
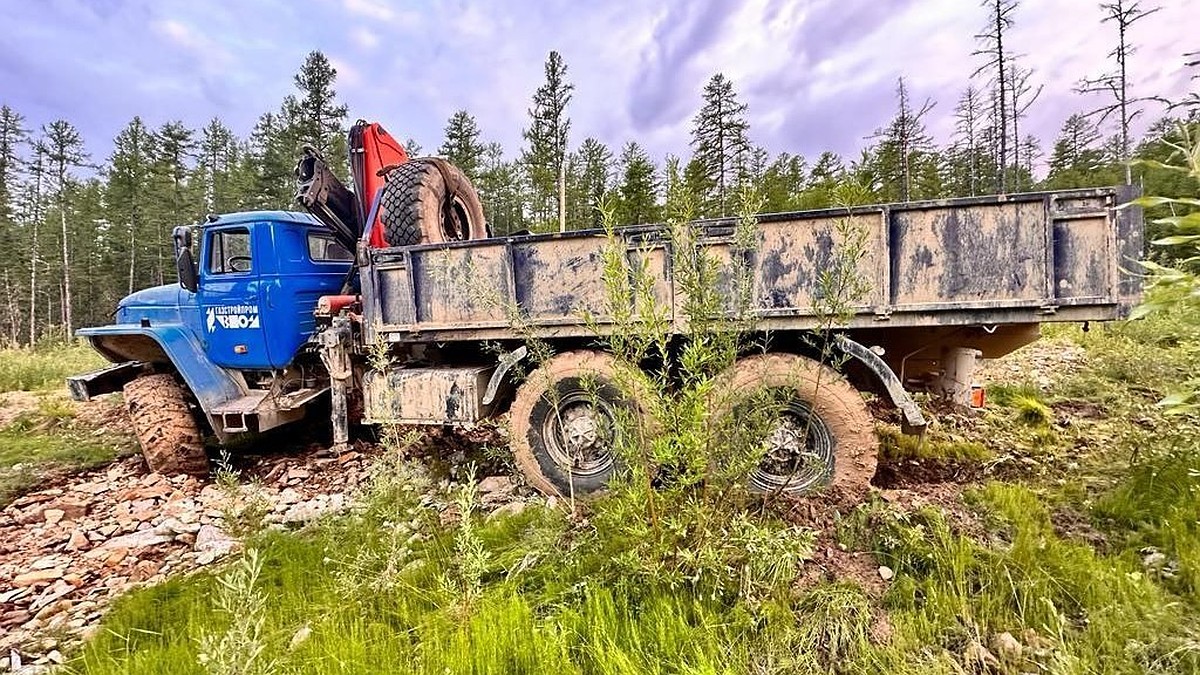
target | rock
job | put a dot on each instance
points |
(144, 570)
(38, 577)
(1007, 647)
(299, 638)
(56, 657)
(510, 509)
(978, 658)
(72, 509)
(78, 541)
(117, 556)
(886, 573)
(52, 516)
(137, 539)
(211, 539)
(52, 609)
(304, 512)
(495, 488)
(46, 562)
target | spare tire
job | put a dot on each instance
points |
(430, 201)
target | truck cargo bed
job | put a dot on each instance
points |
(1009, 259)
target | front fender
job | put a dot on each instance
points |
(172, 345)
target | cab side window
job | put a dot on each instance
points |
(229, 251)
(324, 248)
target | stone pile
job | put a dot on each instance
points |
(67, 550)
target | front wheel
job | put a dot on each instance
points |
(161, 414)
(818, 431)
(568, 419)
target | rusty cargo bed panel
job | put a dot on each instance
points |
(1022, 258)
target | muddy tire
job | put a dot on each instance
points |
(414, 201)
(563, 423)
(161, 412)
(821, 434)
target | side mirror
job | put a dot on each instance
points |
(185, 264)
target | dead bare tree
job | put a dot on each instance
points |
(993, 49)
(968, 120)
(1023, 95)
(1124, 13)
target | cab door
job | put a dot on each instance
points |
(229, 298)
(308, 263)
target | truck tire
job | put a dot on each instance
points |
(564, 419)
(161, 413)
(414, 205)
(818, 408)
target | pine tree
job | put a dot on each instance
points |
(1077, 160)
(462, 145)
(174, 149)
(64, 153)
(545, 156)
(636, 198)
(592, 177)
(220, 181)
(821, 188)
(782, 182)
(720, 144)
(316, 118)
(13, 137)
(33, 206)
(1023, 95)
(270, 161)
(130, 189)
(499, 186)
(969, 165)
(412, 147)
(904, 150)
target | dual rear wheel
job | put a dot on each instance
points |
(574, 413)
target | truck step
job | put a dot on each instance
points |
(232, 415)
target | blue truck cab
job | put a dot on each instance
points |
(235, 330)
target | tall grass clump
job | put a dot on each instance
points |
(1074, 610)
(44, 367)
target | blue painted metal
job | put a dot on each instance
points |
(211, 384)
(254, 320)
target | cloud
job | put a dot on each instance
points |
(371, 9)
(364, 37)
(816, 75)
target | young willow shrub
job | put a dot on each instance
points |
(1177, 287)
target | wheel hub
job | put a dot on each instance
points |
(580, 429)
(797, 453)
(579, 436)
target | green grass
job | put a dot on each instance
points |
(45, 367)
(695, 589)
(49, 439)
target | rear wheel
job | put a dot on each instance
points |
(161, 413)
(567, 420)
(420, 207)
(819, 432)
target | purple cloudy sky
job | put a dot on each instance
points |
(817, 74)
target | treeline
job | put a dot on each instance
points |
(79, 232)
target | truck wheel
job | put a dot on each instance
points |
(166, 429)
(822, 435)
(414, 205)
(564, 423)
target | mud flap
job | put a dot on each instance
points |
(913, 421)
